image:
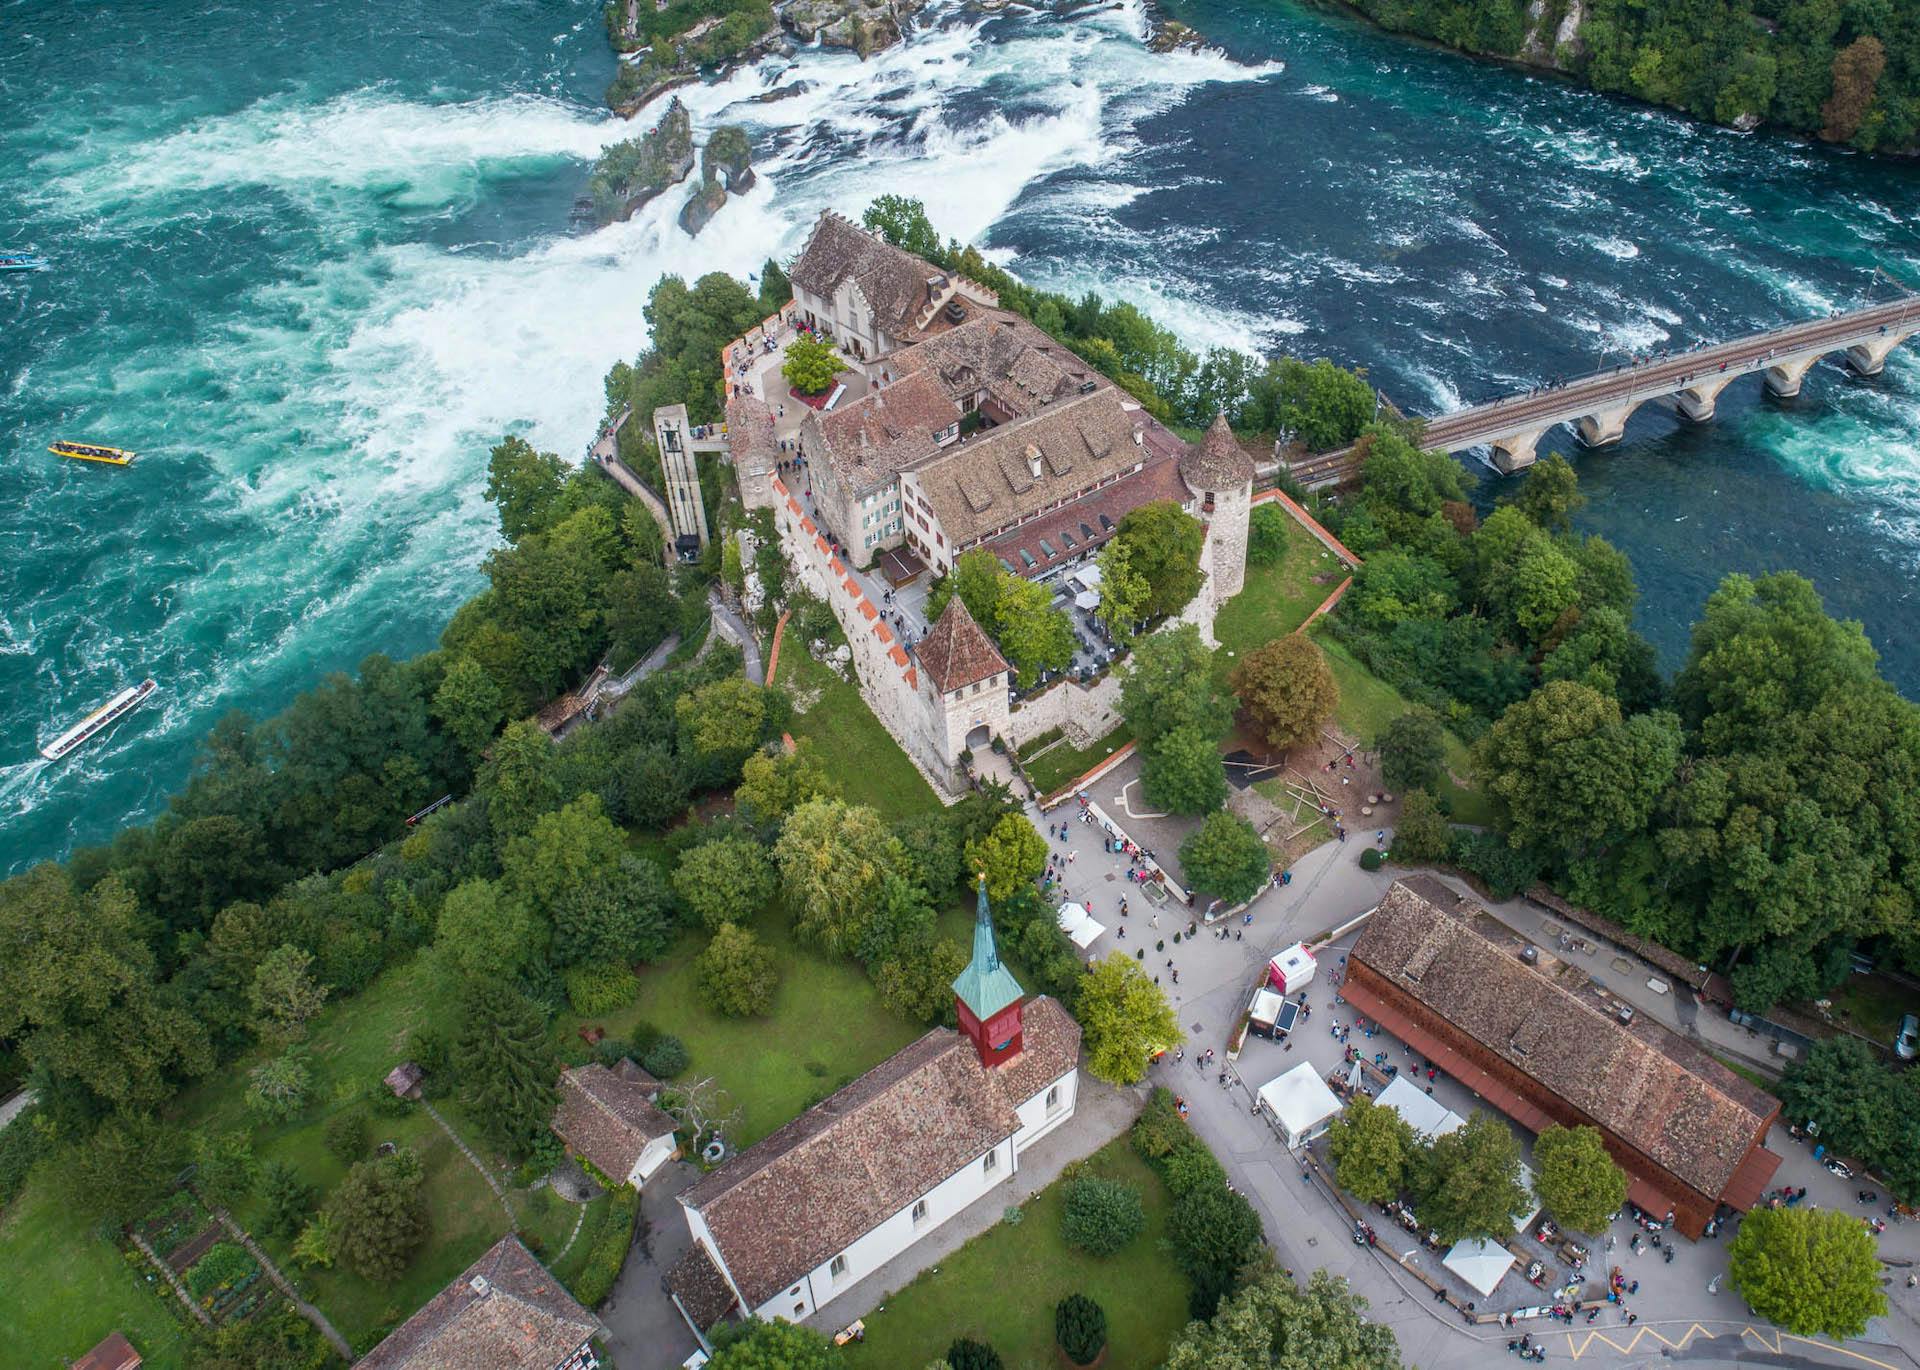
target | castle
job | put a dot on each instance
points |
(976, 430)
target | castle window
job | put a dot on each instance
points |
(1053, 1099)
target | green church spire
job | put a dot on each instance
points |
(986, 986)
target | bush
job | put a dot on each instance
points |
(289, 1199)
(609, 1250)
(1192, 1167)
(1266, 535)
(22, 1144)
(1159, 1131)
(666, 1058)
(600, 987)
(1371, 859)
(1213, 1233)
(1503, 870)
(1101, 1216)
(224, 1263)
(1080, 1326)
(968, 1354)
(346, 1135)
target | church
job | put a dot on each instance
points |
(793, 1222)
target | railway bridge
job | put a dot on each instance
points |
(1597, 406)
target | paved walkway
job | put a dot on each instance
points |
(1100, 1114)
(644, 1329)
(731, 625)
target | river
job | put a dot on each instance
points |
(313, 259)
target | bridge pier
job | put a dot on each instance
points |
(1516, 452)
(1866, 358)
(1784, 377)
(1696, 402)
(1604, 426)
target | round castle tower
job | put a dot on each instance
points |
(1220, 474)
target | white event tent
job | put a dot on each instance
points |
(1079, 925)
(1300, 1103)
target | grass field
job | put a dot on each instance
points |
(861, 754)
(1002, 1286)
(1276, 599)
(1061, 763)
(1874, 1005)
(825, 1026)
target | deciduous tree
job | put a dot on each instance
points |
(284, 995)
(469, 704)
(832, 857)
(774, 782)
(1413, 750)
(1225, 857)
(1169, 684)
(1011, 856)
(1273, 1324)
(724, 717)
(777, 1345)
(811, 364)
(1467, 1182)
(1372, 1148)
(1422, 832)
(1287, 690)
(1164, 550)
(737, 976)
(1126, 1019)
(1124, 592)
(1549, 494)
(1182, 772)
(728, 880)
(1576, 1179)
(1267, 535)
(483, 933)
(1214, 1233)
(524, 485)
(1813, 1271)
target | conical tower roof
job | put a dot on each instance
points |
(956, 652)
(986, 986)
(1217, 461)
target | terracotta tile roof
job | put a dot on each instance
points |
(702, 1290)
(1004, 355)
(1073, 528)
(516, 1317)
(114, 1353)
(1655, 1091)
(784, 1206)
(609, 1116)
(1217, 461)
(956, 652)
(894, 282)
(750, 437)
(870, 441)
(1009, 472)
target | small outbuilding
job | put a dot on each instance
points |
(1291, 970)
(609, 1117)
(1271, 1014)
(115, 1353)
(404, 1080)
(1300, 1104)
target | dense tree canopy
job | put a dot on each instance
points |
(1576, 1179)
(1225, 857)
(1273, 1324)
(1163, 545)
(1372, 1148)
(1287, 689)
(1126, 1018)
(1467, 1182)
(1816, 1272)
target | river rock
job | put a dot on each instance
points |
(866, 26)
(708, 198)
(1172, 35)
(634, 170)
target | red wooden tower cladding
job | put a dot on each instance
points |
(986, 996)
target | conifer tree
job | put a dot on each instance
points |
(504, 1065)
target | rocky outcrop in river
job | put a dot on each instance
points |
(866, 26)
(633, 171)
(726, 169)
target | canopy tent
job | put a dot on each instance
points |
(1480, 1263)
(1079, 925)
(1300, 1103)
(1087, 579)
(1087, 600)
(1427, 1116)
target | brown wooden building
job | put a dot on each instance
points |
(1543, 1045)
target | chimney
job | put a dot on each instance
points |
(478, 1284)
(1033, 460)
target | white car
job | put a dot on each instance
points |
(1906, 1042)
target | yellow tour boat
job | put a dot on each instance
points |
(88, 451)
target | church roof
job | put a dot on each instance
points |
(986, 986)
(956, 652)
(1217, 461)
(787, 1204)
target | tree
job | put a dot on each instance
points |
(727, 880)
(1164, 550)
(1266, 536)
(1413, 750)
(1422, 832)
(626, 917)
(1100, 1216)
(1214, 1233)
(519, 781)
(1272, 1324)
(736, 975)
(566, 853)
(1467, 1182)
(1576, 1179)
(776, 1345)
(1549, 494)
(277, 1088)
(979, 579)
(903, 222)
(288, 1199)
(483, 933)
(1011, 856)
(284, 996)
(1566, 773)
(1226, 857)
(641, 608)
(378, 1216)
(524, 485)
(811, 364)
(1813, 1271)
(1080, 1328)
(505, 1067)
(1183, 772)
(121, 1170)
(315, 1247)
(1395, 586)
(224, 1168)
(1840, 1086)
(968, 1354)
(1322, 405)
(917, 982)
(724, 717)
(1169, 684)
(1287, 689)
(774, 782)
(1032, 634)
(1372, 1148)
(469, 704)
(1856, 73)
(832, 857)
(1126, 1019)
(346, 1135)
(776, 288)
(1123, 591)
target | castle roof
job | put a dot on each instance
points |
(883, 433)
(956, 652)
(895, 283)
(1217, 461)
(986, 986)
(1002, 355)
(787, 1204)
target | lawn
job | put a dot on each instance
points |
(825, 1026)
(1368, 704)
(1002, 1286)
(1061, 763)
(1874, 1005)
(1276, 599)
(66, 1287)
(860, 753)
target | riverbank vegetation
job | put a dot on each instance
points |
(1844, 73)
(661, 44)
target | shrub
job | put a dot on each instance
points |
(289, 1199)
(1159, 1131)
(666, 1058)
(224, 1263)
(1371, 859)
(1503, 870)
(1266, 535)
(1213, 1233)
(22, 1144)
(600, 987)
(1080, 1326)
(277, 1089)
(346, 1135)
(1101, 1216)
(1192, 1167)
(736, 974)
(609, 1250)
(968, 1354)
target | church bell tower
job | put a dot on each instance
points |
(986, 996)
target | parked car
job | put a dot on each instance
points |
(1906, 1042)
(1839, 1167)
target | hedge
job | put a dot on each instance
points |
(609, 1252)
